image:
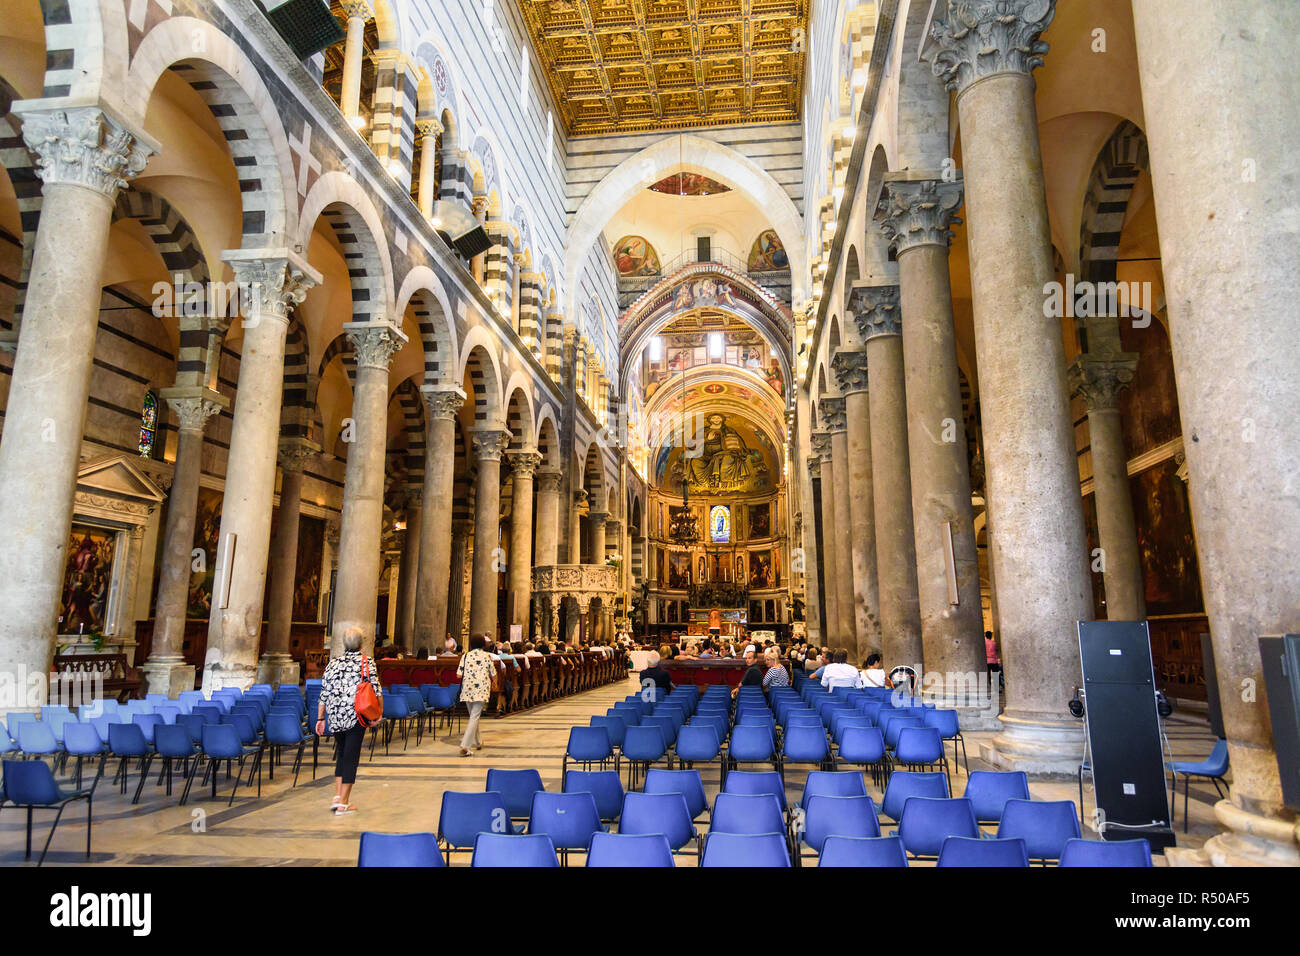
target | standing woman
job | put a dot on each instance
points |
(475, 670)
(338, 697)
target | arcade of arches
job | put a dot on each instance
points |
(956, 319)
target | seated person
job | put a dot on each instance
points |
(656, 675)
(775, 675)
(873, 675)
(753, 673)
(840, 673)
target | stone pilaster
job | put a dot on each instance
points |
(488, 444)
(985, 51)
(84, 157)
(356, 600)
(850, 369)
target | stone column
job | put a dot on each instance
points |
(1098, 378)
(277, 666)
(915, 213)
(84, 158)
(356, 599)
(1225, 203)
(435, 566)
(819, 466)
(408, 563)
(576, 511)
(1039, 552)
(460, 530)
(598, 538)
(832, 417)
(489, 443)
(358, 12)
(165, 672)
(522, 466)
(548, 517)
(850, 368)
(428, 129)
(270, 283)
(478, 264)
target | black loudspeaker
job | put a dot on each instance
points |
(306, 25)
(1280, 657)
(1212, 688)
(1124, 741)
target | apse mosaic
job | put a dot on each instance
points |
(727, 456)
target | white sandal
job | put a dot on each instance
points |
(343, 808)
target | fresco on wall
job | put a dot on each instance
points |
(1166, 544)
(689, 184)
(87, 578)
(768, 254)
(1148, 409)
(207, 529)
(701, 293)
(634, 256)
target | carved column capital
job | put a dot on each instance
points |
(84, 147)
(295, 453)
(598, 518)
(524, 463)
(442, 401)
(357, 9)
(1100, 379)
(374, 343)
(850, 368)
(983, 37)
(270, 285)
(875, 310)
(489, 443)
(461, 528)
(412, 497)
(814, 466)
(194, 405)
(830, 411)
(548, 480)
(821, 445)
(427, 126)
(918, 212)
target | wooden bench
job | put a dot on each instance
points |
(120, 679)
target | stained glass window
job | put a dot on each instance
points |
(148, 424)
(720, 524)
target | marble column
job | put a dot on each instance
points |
(84, 157)
(832, 418)
(522, 466)
(598, 538)
(1099, 378)
(356, 598)
(488, 443)
(478, 264)
(270, 284)
(915, 213)
(428, 129)
(576, 511)
(548, 517)
(358, 12)
(404, 624)
(432, 623)
(1039, 552)
(1225, 204)
(277, 665)
(165, 672)
(850, 368)
(821, 464)
(460, 531)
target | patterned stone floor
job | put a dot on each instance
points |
(401, 792)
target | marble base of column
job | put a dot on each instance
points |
(167, 677)
(278, 669)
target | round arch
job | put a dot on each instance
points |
(423, 291)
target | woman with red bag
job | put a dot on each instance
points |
(350, 713)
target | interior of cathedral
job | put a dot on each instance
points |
(818, 366)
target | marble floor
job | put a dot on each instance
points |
(401, 792)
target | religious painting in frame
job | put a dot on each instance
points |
(207, 530)
(679, 569)
(87, 579)
(306, 591)
(760, 520)
(760, 569)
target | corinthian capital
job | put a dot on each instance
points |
(875, 310)
(374, 343)
(984, 37)
(442, 401)
(84, 147)
(548, 480)
(918, 212)
(194, 405)
(270, 283)
(489, 443)
(427, 126)
(850, 368)
(295, 453)
(524, 462)
(814, 466)
(1100, 380)
(821, 445)
(830, 411)
(359, 9)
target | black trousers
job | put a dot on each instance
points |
(349, 753)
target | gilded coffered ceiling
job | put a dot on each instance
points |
(617, 66)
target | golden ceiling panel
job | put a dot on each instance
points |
(622, 66)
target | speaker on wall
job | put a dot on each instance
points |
(1280, 657)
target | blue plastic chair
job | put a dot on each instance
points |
(928, 821)
(173, 742)
(1106, 853)
(906, 783)
(82, 741)
(642, 747)
(946, 722)
(864, 746)
(745, 849)
(516, 788)
(36, 739)
(832, 783)
(970, 851)
(504, 849)
(665, 813)
(746, 813)
(921, 748)
(750, 744)
(127, 741)
(700, 745)
(569, 819)
(1212, 768)
(806, 745)
(686, 782)
(399, 849)
(285, 730)
(862, 851)
(606, 786)
(757, 781)
(463, 816)
(587, 746)
(222, 742)
(825, 816)
(989, 790)
(626, 849)
(30, 784)
(1044, 825)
